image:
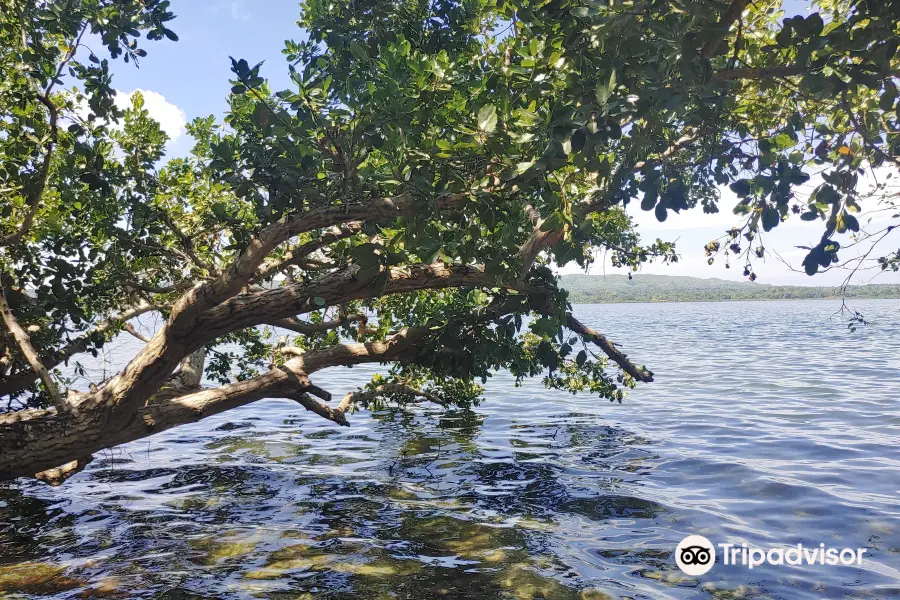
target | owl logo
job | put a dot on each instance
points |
(695, 555)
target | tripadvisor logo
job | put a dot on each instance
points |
(695, 555)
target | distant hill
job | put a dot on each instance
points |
(601, 289)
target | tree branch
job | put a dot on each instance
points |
(190, 372)
(304, 328)
(135, 333)
(759, 72)
(388, 388)
(863, 133)
(33, 202)
(21, 380)
(31, 439)
(296, 256)
(158, 289)
(321, 409)
(609, 349)
(28, 351)
(230, 282)
(732, 14)
(153, 365)
(59, 475)
(186, 242)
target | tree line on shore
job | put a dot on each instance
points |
(610, 289)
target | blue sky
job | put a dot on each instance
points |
(192, 74)
(189, 78)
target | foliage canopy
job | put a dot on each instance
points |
(408, 194)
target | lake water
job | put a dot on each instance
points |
(769, 424)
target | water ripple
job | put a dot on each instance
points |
(768, 424)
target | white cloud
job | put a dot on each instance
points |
(692, 229)
(237, 12)
(171, 118)
(236, 9)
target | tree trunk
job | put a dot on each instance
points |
(34, 441)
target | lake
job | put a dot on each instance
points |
(769, 424)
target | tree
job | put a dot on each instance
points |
(402, 203)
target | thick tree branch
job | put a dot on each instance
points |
(342, 286)
(536, 243)
(153, 365)
(190, 372)
(38, 440)
(230, 282)
(194, 320)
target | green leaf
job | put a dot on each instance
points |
(222, 150)
(783, 140)
(783, 38)
(886, 102)
(357, 50)
(524, 166)
(741, 187)
(661, 213)
(796, 176)
(260, 115)
(218, 209)
(605, 89)
(578, 139)
(828, 195)
(487, 118)
(811, 261)
(770, 218)
(319, 301)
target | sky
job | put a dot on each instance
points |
(189, 78)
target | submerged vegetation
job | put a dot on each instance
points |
(404, 200)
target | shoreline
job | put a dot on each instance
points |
(714, 300)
